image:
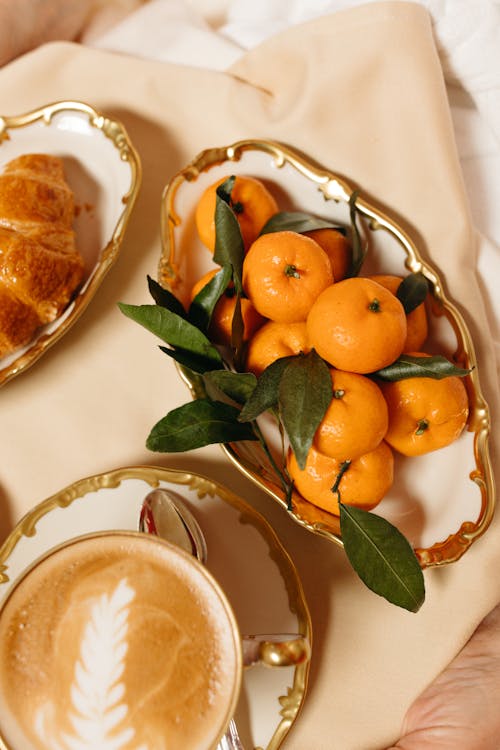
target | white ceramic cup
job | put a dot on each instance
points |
(117, 640)
(121, 640)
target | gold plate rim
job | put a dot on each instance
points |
(292, 703)
(337, 188)
(116, 133)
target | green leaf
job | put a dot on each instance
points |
(407, 366)
(196, 424)
(358, 250)
(225, 190)
(229, 248)
(412, 291)
(297, 221)
(202, 306)
(172, 329)
(237, 385)
(237, 334)
(305, 392)
(193, 362)
(266, 392)
(165, 298)
(382, 557)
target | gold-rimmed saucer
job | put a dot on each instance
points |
(245, 556)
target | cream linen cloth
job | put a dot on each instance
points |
(213, 34)
(362, 92)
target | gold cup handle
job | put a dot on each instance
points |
(275, 650)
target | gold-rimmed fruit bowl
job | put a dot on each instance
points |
(443, 501)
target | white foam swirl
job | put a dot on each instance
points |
(99, 719)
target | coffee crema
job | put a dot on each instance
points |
(117, 641)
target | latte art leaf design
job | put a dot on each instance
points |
(99, 719)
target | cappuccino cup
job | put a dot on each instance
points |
(117, 640)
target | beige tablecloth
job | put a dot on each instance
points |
(361, 92)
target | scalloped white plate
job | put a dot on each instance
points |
(104, 172)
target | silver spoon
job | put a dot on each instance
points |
(164, 514)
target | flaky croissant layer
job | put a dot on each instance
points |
(40, 266)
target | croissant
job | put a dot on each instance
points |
(40, 266)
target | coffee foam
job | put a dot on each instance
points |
(116, 642)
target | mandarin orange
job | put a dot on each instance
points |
(273, 341)
(356, 420)
(425, 414)
(221, 323)
(416, 321)
(336, 246)
(357, 325)
(365, 481)
(283, 273)
(253, 205)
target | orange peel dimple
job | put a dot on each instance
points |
(366, 481)
(254, 205)
(357, 325)
(283, 274)
(442, 404)
(356, 420)
(273, 341)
